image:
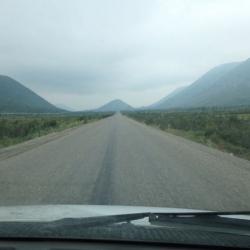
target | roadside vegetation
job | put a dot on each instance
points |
(18, 128)
(227, 130)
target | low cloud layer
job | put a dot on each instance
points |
(83, 53)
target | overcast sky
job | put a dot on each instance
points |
(85, 53)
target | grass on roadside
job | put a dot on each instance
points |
(228, 131)
(16, 129)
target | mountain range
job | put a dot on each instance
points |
(16, 98)
(164, 99)
(226, 85)
(115, 106)
(64, 107)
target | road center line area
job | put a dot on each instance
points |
(118, 161)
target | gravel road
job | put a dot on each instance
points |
(119, 161)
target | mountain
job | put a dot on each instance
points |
(115, 106)
(223, 86)
(172, 94)
(16, 98)
(64, 107)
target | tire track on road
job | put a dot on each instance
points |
(103, 191)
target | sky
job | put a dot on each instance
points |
(84, 53)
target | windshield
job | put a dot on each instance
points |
(141, 104)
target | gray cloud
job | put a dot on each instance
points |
(139, 50)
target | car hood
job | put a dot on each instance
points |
(46, 213)
(56, 212)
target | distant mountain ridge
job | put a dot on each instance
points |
(223, 86)
(226, 85)
(64, 107)
(115, 106)
(16, 98)
(172, 94)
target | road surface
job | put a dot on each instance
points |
(119, 161)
